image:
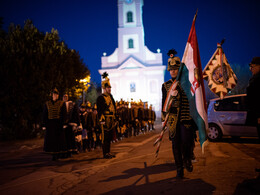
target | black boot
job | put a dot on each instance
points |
(178, 161)
(188, 165)
(180, 173)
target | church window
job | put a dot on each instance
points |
(130, 43)
(129, 17)
(132, 87)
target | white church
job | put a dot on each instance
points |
(135, 72)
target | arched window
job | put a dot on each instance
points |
(130, 43)
(129, 17)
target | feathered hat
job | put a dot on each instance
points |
(174, 62)
(106, 82)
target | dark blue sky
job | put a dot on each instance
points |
(90, 26)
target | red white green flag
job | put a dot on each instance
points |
(218, 73)
(191, 80)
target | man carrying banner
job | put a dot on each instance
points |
(180, 124)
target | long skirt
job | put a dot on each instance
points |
(55, 140)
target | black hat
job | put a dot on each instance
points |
(55, 90)
(255, 60)
(83, 105)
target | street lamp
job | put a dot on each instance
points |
(86, 84)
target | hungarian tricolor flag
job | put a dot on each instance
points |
(221, 78)
(191, 80)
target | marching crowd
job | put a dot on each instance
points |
(80, 129)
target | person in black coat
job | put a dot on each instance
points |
(180, 124)
(54, 114)
(253, 96)
(107, 115)
(72, 122)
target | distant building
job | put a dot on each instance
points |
(134, 71)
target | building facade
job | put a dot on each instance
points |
(135, 72)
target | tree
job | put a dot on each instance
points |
(92, 93)
(32, 63)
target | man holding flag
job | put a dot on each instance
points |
(184, 105)
(176, 111)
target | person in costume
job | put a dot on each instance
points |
(72, 122)
(83, 135)
(107, 115)
(253, 104)
(151, 118)
(54, 114)
(180, 123)
(89, 127)
(97, 131)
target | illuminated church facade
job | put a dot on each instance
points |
(135, 72)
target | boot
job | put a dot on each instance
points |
(178, 161)
(188, 165)
(180, 173)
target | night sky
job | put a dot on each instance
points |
(90, 26)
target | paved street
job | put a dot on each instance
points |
(227, 167)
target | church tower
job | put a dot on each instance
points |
(130, 29)
(135, 72)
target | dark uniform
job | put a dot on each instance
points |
(180, 124)
(107, 115)
(96, 126)
(72, 121)
(253, 102)
(151, 118)
(89, 125)
(54, 114)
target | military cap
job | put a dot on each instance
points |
(88, 104)
(55, 90)
(83, 105)
(106, 82)
(174, 62)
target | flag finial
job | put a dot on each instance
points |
(223, 40)
(195, 17)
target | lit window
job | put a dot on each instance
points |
(132, 87)
(130, 43)
(129, 17)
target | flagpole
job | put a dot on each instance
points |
(195, 17)
(222, 65)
